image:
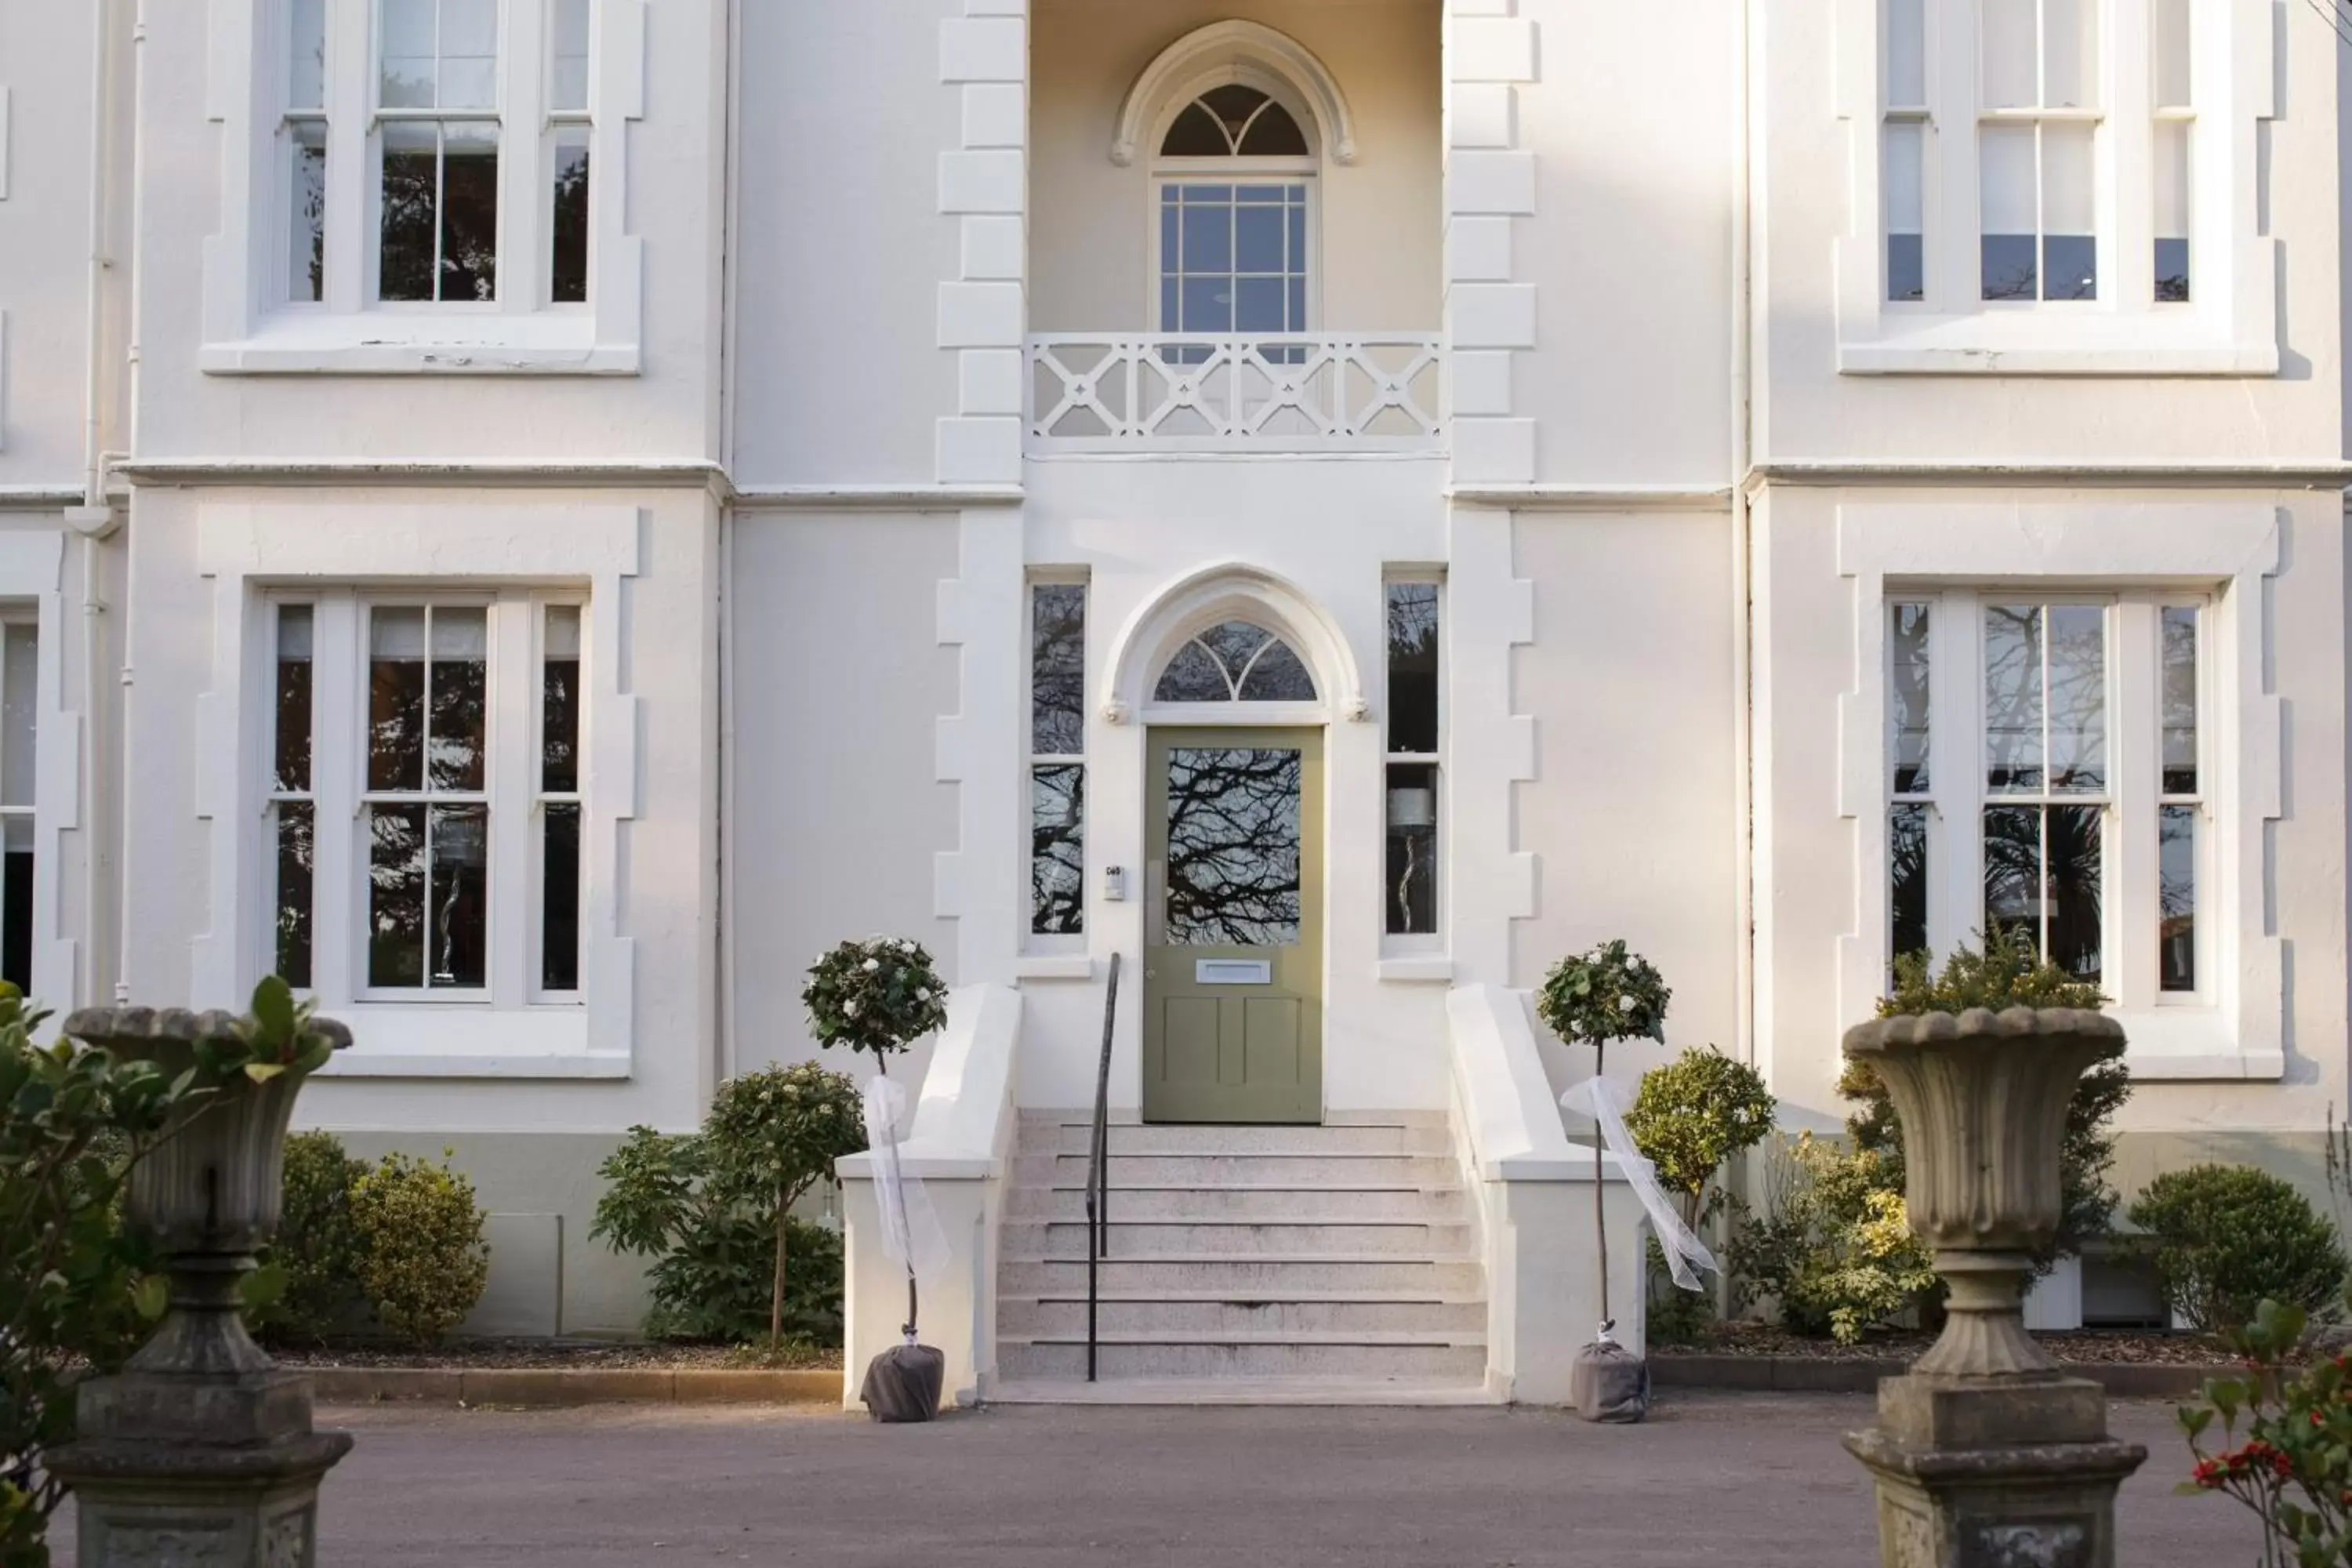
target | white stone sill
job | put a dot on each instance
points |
(387, 344)
(411, 1040)
(1416, 968)
(2189, 1045)
(2052, 343)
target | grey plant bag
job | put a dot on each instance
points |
(1608, 1383)
(903, 1382)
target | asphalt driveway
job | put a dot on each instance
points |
(1749, 1479)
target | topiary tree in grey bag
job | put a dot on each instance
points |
(1608, 994)
(881, 996)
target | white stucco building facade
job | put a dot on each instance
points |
(534, 517)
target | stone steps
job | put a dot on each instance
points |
(1431, 1357)
(1237, 1314)
(1245, 1201)
(1245, 1263)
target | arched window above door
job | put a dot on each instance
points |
(1234, 121)
(1235, 662)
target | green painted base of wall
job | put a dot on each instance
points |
(2297, 1155)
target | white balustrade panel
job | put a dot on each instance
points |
(1268, 392)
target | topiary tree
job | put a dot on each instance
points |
(1692, 1115)
(880, 995)
(1688, 1119)
(423, 1264)
(2223, 1239)
(770, 1136)
(1608, 994)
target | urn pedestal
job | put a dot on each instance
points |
(1985, 1454)
(201, 1450)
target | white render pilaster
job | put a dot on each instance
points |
(1489, 181)
(983, 186)
(1492, 612)
(980, 747)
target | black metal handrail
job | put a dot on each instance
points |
(1098, 1168)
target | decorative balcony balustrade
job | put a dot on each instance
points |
(1268, 392)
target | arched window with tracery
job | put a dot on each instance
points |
(1235, 176)
(1234, 662)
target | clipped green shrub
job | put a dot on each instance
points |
(422, 1263)
(317, 1246)
(1690, 1116)
(2225, 1238)
(2006, 973)
(716, 1285)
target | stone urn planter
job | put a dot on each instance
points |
(202, 1449)
(1985, 1453)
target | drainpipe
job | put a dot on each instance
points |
(723, 1009)
(94, 519)
(1742, 566)
(131, 542)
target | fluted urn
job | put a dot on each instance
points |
(1987, 1452)
(201, 1442)
(1982, 1097)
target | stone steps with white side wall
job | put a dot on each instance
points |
(1245, 1265)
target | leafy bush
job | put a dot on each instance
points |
(1833, 1247)
(1689, 1117)
(75, 1286)
(1692, 1115)
(2226, 1238)
(2294, 1468)
(879, 995)
(2006, 973)
(713, 1208)
(422, 1263)
(318, 1244)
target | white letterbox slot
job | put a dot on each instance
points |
(1233, 972)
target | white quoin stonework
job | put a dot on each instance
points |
(811, 344)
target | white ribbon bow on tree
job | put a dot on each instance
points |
(1606, 1102)
(911, 1236)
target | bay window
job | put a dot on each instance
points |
(425, 796)
(2043, 761)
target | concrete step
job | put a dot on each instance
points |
(1130, 1138)
(1291, 1390)
(1192, 1314)
(1294, 1168)
(1460, 1358)
(1259, 1201)
(1264, 1274)
(1180, 1237)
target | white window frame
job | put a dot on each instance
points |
(1033, 940)
(1957, 796)
(1400, 944)
(541, 797)
(1237, 170)
(252, 326)
(2229, 326)
(340, 904)
(2217, 552)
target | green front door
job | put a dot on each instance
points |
(1232, 963)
